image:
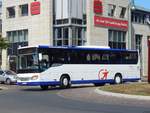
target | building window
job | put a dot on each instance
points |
(139, 18)
(84, 19)
(11, 12)
(63, 21)
(17, 36)
(76, 21)
(77, 36)
(61, 37)
(111, 10)
(117, 39)
(138, 41)
(123, 12)
(16, 39)
(24, 10)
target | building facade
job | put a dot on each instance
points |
(141, 35)
(69, 20)
(26, 23)
(48, 22)
(108, 26)
(72, 23)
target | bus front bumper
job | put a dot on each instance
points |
(37, 83)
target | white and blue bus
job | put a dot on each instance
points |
(46, 66)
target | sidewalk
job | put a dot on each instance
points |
(144, 79)
(119, 95)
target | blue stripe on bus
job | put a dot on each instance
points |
(75, 82)
(86, 48)
(92, 81)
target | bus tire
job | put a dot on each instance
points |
(65, 82)
(44, 87)
(118, 79)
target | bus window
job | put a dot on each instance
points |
(96, 58)
(105, 58)
(28, 62)
(88, 58)
(59, 57)
(115, 58)
(130, 57)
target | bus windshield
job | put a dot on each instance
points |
(28, 61)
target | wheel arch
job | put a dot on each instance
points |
(118, 74)
(65, 75)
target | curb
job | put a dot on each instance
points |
(3, 88)
(119, 95)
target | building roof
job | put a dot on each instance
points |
(136, 7)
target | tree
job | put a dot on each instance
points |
(3, 43)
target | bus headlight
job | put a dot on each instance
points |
(35, 77)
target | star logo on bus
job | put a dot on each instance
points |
(103, 74)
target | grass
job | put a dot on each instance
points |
(132, 89)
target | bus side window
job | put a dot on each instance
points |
(88, 58)
(96, 58)
(130, 58)
(105, 58)
(115, 58)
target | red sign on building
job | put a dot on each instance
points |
(110, 22)
(98, 8)
(35, 8)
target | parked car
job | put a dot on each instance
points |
(8, 77)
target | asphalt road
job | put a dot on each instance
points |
(33, 100)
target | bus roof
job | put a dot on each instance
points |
(77, 47)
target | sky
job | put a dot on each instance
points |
(144, 3)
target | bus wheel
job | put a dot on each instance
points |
(65, 82)
(118, 79)
(44, 87)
